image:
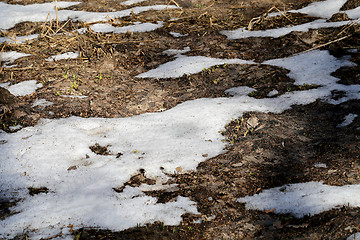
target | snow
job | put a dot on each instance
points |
(40, 12)
(171, 52)
(303, 199)
(42, 103)
(137, 27)
(55, 153)
(348, 120)
(18, 39)
(273, 93)
(324, 9)
(188, 65)
(67, 55)
(23, 88)
(131, 2)
(11, 56)
(353, 13)
(320, 165)
(278, 32)
(176, 35)
(239, 91)
(178, 137)
(355, 236)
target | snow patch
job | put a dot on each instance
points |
(348, 120)
(324, 9)
(23, 88)
(137, 27)
(42, 103)
(278, 32)
(132, 2)
(40, 12)
(18, 39)
(11, 56)
(303, 199)
(171, 52)
(188, 65)
(67, 55)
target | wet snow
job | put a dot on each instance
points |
(55, 153)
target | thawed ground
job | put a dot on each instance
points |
(58, 155)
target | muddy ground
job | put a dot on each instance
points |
(281, 149)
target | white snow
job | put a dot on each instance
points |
(131, 2)
(278, 32)
(273, 93)
(39, 13)
(240, 91)
(137, 27)
(302, 199)
(179, 137)
(18, 39)
(23, 88)
(320, 165)
(67, 55)
(56, 154)
(324, 9)
(176, 35)
(11, 56)
(348, 120)
(171, 52)
(42, 103)
(188, 65)
(355, 236)
(353, 13)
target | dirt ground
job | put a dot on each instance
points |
(281, 149)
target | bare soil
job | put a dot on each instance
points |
(280, 149)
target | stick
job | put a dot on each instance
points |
(57, 16)
(325, 44)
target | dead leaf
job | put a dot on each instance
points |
(253, 122)
(72, 168)
(178, 169)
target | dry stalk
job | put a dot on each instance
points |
(57, 14)
(325, 44)
(350, 24)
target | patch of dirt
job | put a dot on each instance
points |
(263, 151)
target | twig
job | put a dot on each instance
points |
(325, 44)
(57, 15)
(348, 26)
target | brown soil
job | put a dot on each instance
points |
(279, 149)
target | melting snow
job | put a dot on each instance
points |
(67, 55)
(18, 39)
(188, 65)
(304, 198)
(23, 88)
(39, 13)
(131, 2)
(171, 52)
(55, 153)
(41, 103)
(137, 27)
(278, 32)
(12, 56)
(348, 120)
(324, 9)
(176, 35)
